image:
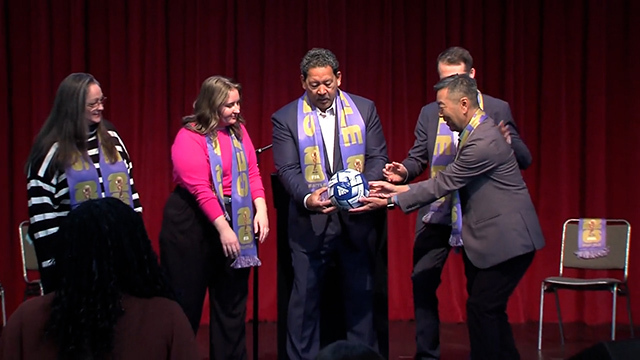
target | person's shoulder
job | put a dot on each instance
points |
(430, 109)
(109, 125)
(34, 305)
(360, 100)
(488, 132)
(491, 101)
(287, 109)
(187, 132)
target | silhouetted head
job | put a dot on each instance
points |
(348, 350)
(103, 253)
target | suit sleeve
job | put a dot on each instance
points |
(376, 146)
(479, 156)
(523, 156)
(418, 159)
(287, 159)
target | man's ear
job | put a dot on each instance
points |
(302, 82)
(339, 76)
(472, 73)
(464, 104)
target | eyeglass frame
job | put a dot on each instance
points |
(97, 103)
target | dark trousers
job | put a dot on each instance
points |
(489, 290)
(310, 265)
(192, 256)
(430, 251)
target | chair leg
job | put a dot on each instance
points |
(4, 312)
(629, 312)
(613, 312)
(541, 312)
(555, 292)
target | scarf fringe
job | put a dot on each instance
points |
(455, 240)
(246, 261)
(592, 253)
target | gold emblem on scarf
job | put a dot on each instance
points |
(356, 162)
(118, 187)
(312, 171)
(85, 190)
(591, 232)
(245, 235)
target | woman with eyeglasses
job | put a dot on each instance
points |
(76, 156)
(207, 236)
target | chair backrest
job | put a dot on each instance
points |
(29, 259)
(618, 236)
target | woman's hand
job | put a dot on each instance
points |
(261, 220)
(228, 238)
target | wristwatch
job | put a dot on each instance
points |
(390, 204)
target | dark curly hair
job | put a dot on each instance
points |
(104, 253)
(318, 57)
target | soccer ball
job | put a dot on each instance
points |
(346, 187)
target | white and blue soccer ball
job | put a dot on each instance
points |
(346, 187)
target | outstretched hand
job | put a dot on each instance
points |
(369, 203)
(382, 189)
(395, 172)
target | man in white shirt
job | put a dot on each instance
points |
(316, 135)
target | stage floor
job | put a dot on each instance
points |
(455, 340)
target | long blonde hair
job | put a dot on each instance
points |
(206, 109)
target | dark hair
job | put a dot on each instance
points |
(318, 57)
(67, 125)
(348, 350)
(206, 109)
(455, 56)
(103, 253)
(460, 85)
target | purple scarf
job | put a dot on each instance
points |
(352, 133)
(84, 184)
(592, 239)
(241, 205)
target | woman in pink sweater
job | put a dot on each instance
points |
(214, 216)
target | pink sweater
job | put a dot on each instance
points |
(192, 171)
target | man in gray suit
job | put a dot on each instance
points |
(500, 228)
(431, 244)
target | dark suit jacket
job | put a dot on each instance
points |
(427, 129)
(499, 221)
(287, 161)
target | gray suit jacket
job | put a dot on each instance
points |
(499, 221)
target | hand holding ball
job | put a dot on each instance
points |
(346, 187)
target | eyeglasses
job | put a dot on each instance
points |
(97, 103)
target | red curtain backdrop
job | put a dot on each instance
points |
(568, 69)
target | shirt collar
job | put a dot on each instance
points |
(331, 110)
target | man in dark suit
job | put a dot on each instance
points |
(324, 131)
(431, 244)
(499, 229)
